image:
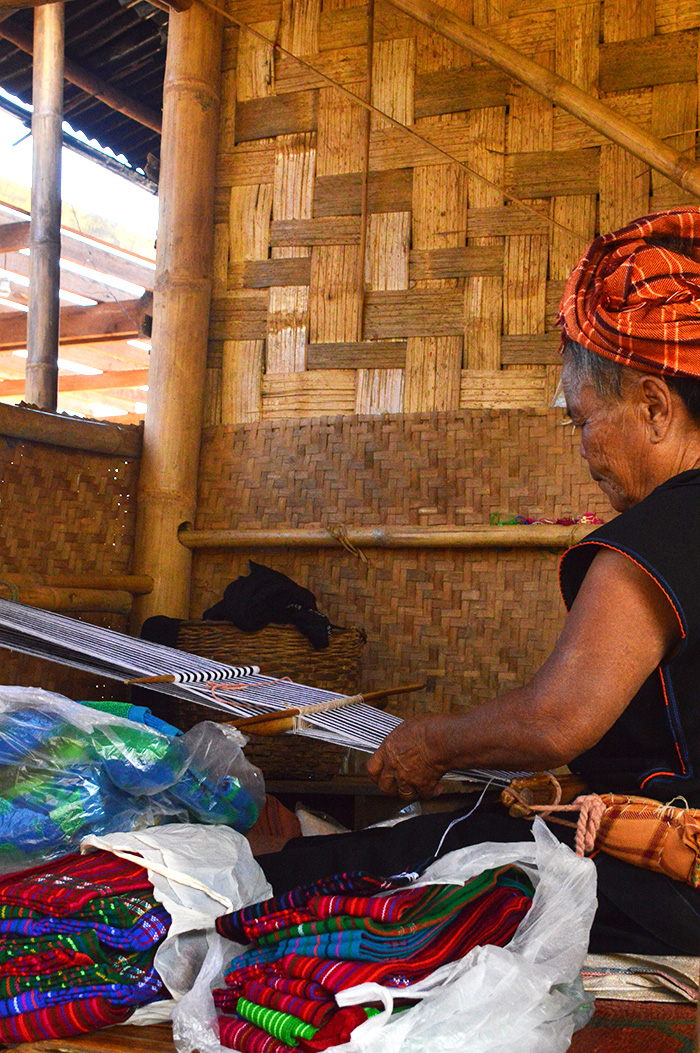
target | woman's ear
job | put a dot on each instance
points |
(657, 405)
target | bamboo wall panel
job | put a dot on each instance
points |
(473, 623)
(450, 237)
(64, 511)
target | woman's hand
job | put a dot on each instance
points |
(408, 761)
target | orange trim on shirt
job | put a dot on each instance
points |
(613, 548)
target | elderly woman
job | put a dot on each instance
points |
(618, 699)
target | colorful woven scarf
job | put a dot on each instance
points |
(634, 295)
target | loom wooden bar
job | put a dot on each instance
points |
(45, 222)
(536, 536)
(54, 429)
(168, 478)
(89, 82)
(648, 148)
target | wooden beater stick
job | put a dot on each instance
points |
(277, 723)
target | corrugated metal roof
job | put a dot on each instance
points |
(121, 41)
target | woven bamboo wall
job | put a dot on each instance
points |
(358, 270)
(63, 511)
(473, 622)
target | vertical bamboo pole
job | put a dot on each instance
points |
(168, 477)
(45, 224)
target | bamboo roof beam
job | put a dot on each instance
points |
(89, 82)
(642, 144)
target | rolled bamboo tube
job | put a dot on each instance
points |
(135, 584)
(45, 222)
(103, 601)
(168, 477)
(98, 436)
(535, 536)
(647, 147)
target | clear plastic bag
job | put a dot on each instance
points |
(67, 771)
(527, 996)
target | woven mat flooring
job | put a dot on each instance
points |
(637, 1027)
(617, 1027)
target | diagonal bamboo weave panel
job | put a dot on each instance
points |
(335, 227)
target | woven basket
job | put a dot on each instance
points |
(281, 651)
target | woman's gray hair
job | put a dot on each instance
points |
(586, 367)
(607, 378)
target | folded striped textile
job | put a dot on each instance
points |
(315, 1011)
(139, 986)
(245, 1037)
(60, 1021)
(280, 1025)
(363, 939)
(494, 922)
(147, 932)
(338, 1029)
(62, 970)
(234, 926)
(67, 885)
(282, 990)
(70, 948)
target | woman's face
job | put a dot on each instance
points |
(613, 442)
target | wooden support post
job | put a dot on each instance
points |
(45, 221)
(647, 147)
(168, 477)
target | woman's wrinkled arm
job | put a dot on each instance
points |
(618, 630)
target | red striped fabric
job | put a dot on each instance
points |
(71, 1018)
(635, 295)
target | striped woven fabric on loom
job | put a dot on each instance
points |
(237, 690)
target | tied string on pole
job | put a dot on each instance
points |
(341, 535)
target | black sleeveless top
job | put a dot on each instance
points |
(653, 748)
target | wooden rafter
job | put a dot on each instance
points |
(117, 378)
(89, 82)
(105, 321)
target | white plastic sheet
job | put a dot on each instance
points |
(527, 996)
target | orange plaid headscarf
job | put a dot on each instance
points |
(635, 295)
